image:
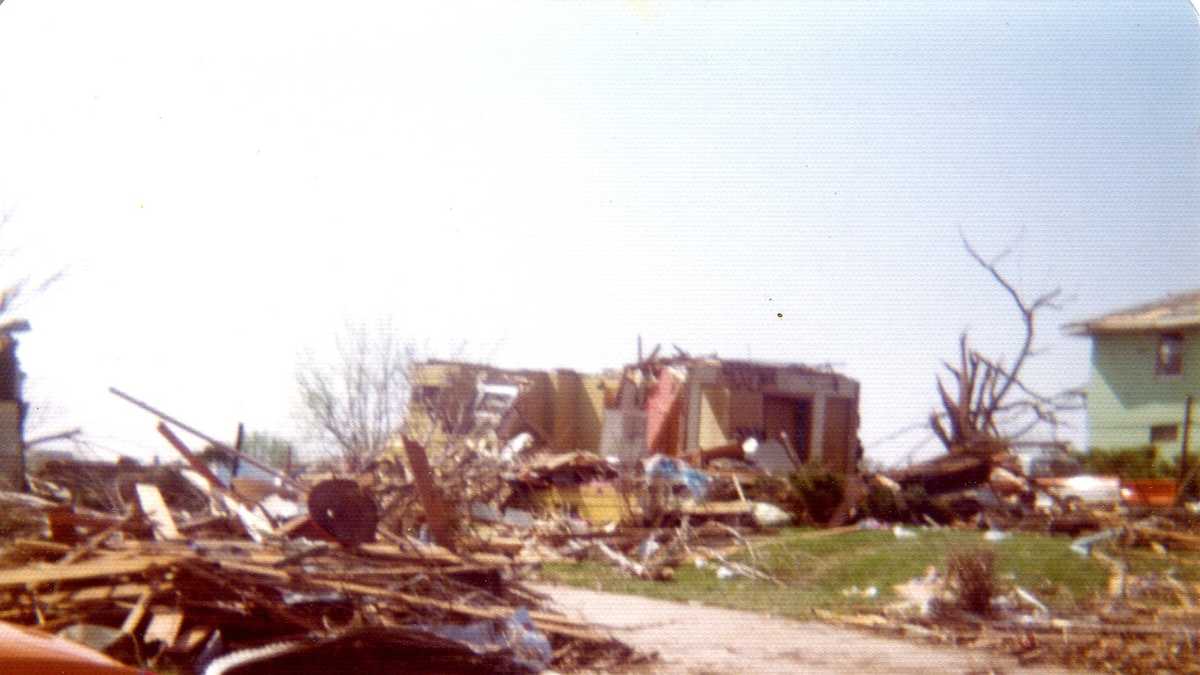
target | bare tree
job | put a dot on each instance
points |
(355, 404)
(987, 390)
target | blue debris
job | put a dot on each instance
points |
(516, 635)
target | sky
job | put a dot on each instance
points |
(224, 187)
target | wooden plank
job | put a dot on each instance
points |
(257, 526)
(546, 622)
(191, 639)
(425, 554)
(253, 569)
(197, 465)
(104, 567)
(163, 627)
(719, 509)
(211, 441)
(151, 501)
(436, 511)
(39, 546)
(394, 571)
(95, 594)
(136, 614)
(94, 541)
(286, 529)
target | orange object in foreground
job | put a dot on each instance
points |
(28, 651)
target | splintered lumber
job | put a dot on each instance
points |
(136, 614)
(250, 568)
(210, 440)
(163, 627)
(423, 553)
(156, 511)
(738, 508)
(550, 623)
(97, 594)
(94, 541)
(91, 569)
(1173, 539)
(197, 465)
(436, 511)
(39, 546)
(635, 568)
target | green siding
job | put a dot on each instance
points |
(1126, 397)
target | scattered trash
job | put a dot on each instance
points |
(769, 515)
(1083, 545)
(647, 548)
(675, 472)
(856, 592)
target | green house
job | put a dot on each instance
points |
(1145, 364)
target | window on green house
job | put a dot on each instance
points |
(1170, 354)
(1164, 433)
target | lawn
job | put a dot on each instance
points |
(816, 567)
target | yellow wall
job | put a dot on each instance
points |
(589, 417)
(598, 503)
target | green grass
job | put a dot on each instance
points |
(815, 569)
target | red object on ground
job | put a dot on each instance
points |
(1149, 491)
(32, 652)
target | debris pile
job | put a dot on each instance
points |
(995, 490)
(1146, 622)
(171, 568)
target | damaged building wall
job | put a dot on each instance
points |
(625, 426)
(732, 400)
(12, 417)
(563, 409)
(670, 407)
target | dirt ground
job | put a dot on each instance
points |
(695, 639)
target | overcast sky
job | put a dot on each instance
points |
(226, 185)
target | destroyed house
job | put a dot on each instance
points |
(561, 409)
(677, 406)
(12, 409)
(1145, 363)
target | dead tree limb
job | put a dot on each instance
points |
(986, 387)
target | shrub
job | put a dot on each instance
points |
(919, 504)
(885, 505)
(818, 493)
(972, 577)
(1127, 463)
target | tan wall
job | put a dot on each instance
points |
(565, 388)
(589, 416)
(714, 416)
(745, 410)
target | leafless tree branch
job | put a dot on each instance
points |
(986, 386)
(357, 403)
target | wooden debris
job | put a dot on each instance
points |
(136, 576)
(156, 511)
(164, 627)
